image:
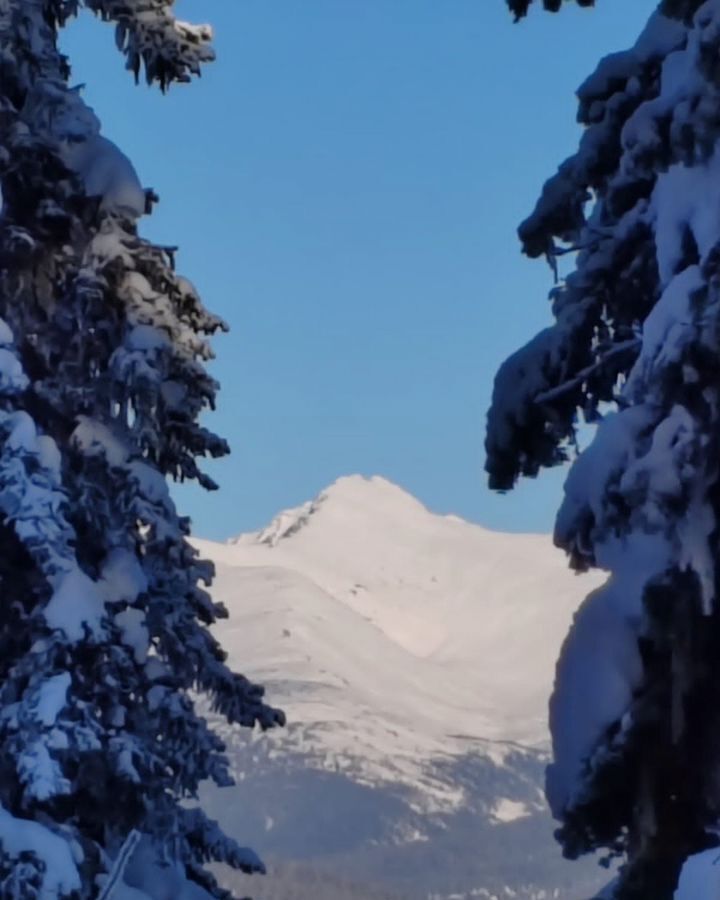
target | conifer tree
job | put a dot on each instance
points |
(635, 712)
(104, 612)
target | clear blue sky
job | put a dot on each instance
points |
(344, 184)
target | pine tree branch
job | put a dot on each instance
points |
(585, 373)
(118, 869)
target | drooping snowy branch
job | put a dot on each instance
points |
(152, 39)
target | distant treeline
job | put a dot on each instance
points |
(300, 881)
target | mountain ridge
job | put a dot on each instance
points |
(444, 591)
(355, 489)
(413, 654)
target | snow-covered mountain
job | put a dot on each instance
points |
(413, 654)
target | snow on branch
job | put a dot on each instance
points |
(19, 837)
(147, 32)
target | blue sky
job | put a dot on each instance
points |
(344, 184)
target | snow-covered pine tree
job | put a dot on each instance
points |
(103, 614)
(635, 349)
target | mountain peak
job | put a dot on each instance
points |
(427, 620)
(373, 491)
(413, 654)
(348, 498)
(357, 483)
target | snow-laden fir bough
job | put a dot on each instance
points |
(635, 349)
(103, 611)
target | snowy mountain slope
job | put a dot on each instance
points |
(413, 634)
(413, 654)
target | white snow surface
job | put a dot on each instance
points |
(77, 603)
(122, 577)
(134, 632)
(700, 878)
(667, 330)
(510, 810)
(598, 671)
(19, 836)
(106, 173)
(103, 168)
(393, 636)
(52, 697)
(12, 378)
(145, 878)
